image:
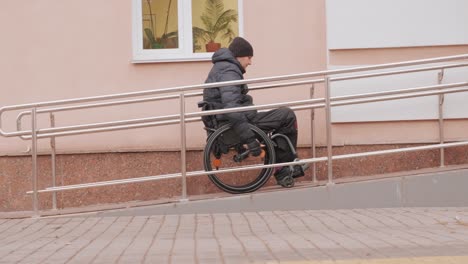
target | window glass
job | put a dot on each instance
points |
(214, 24)
(160, 24)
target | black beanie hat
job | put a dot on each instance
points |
(240, 47)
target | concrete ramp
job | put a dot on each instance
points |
(447, 188)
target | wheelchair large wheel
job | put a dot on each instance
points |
(216, 157)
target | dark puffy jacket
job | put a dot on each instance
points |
(227, 68)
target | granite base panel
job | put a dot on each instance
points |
(15, 174)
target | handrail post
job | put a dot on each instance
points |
(34, 161)
(183, 149)
(312, 135)
(440, 77)
(53, 157)
(329, 130)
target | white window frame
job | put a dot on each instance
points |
(184, 52)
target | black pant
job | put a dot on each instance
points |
(283, 121)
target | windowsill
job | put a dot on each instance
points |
(140, 61)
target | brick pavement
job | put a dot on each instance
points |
(370, 236)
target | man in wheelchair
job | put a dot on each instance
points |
(230, 64)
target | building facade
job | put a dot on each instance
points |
(54, 50)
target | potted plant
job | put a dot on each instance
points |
(217, 21)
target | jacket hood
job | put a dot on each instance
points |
(225, 54)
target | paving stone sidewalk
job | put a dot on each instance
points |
(396, 235)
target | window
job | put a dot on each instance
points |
(183, 30)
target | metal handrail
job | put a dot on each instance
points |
(216, 85)
(152, 99)
(141, 100)
(327, 102)
(175, 119)
(313, 160)
(245, 168)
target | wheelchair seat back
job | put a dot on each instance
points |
(229, 138)
(209, 121)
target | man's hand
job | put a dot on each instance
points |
(254, 148)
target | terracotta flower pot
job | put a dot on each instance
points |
(212, 46)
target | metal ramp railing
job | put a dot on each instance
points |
(183, 92)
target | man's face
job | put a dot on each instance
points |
(245, 61)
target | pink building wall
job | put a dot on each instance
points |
(54, 49)
(67, 49)
(59, 50)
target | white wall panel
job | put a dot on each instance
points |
(422, 108)
(355, 24)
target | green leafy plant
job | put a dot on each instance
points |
(153, 42)
(217, 21)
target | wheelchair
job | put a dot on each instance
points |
(224, 150)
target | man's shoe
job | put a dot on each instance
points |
(284, 177)
(299, 170)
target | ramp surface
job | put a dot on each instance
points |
(436, 189)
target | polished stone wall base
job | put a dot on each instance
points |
(15, 174)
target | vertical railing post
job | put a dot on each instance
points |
(440, 77)
(183, 149)
(312, 135)
(34, 161)
(328, 129)
(53, 156)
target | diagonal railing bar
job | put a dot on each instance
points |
(400, 91)
(397, 97)
(162, 118)
(379, 74)
(141, 100)
(159, 98)
(250, 167)
(311, 103)
(152, 99)
(221, 84)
